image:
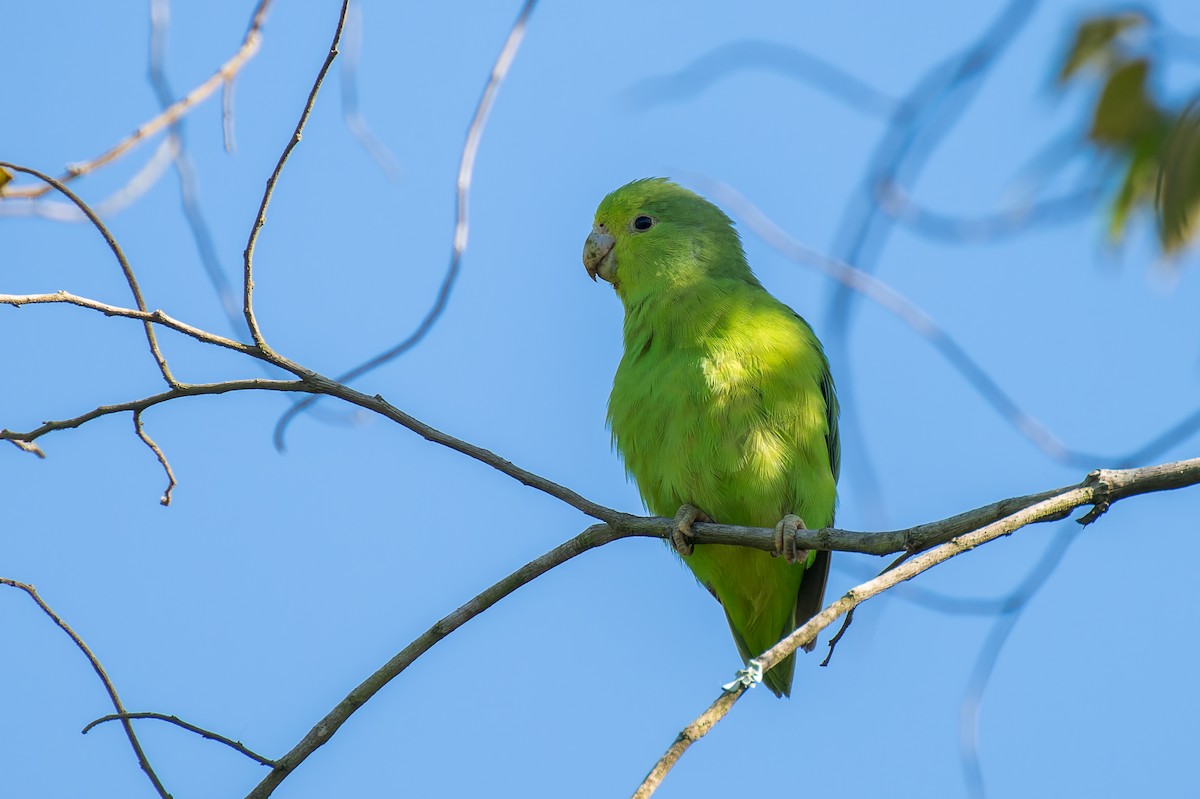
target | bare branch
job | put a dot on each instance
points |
(687, 736)
(1099, 489)
(466, 171)
(179, 391)
(178, 722)
(156, 317)
(126, 269)
(912, 539)
(261, 219)
(322, 731)
(224, 74)
(104, 679)
(158, 453)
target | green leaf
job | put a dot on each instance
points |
(1177, 199)
(1096, 43)
(1124, 112)
(1138, 185)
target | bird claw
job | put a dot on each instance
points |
(681, 534)
(785, 539)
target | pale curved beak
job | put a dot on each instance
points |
(598, 257)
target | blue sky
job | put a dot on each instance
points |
(275, 583)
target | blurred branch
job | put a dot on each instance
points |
(224, 75)
(352, 113)
(919, 121)
(188, 184)
(895, 201)
(949, 604)
(141, 182)
(923, 115)
(178, 722)
(109, 688)
(989, 654)
(1099, 489)
(466, 171)
(860, 282)
(721, 62)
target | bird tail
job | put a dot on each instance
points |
(809, 602)
(779, 678)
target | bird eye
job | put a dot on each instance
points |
(643, 223)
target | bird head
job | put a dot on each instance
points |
(653, 235)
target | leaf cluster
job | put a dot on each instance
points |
(1153, 146)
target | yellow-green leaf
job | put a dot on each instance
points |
(1137, 187)
(1177, 199)
(1124, 112)
(1096, 41)
(5, 178)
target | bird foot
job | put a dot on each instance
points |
(682, 535)
(785, 539)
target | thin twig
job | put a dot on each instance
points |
(224, 74)
(178, 722)
(104, 679)
(466, 171)
(158, 453)
(849, 618)
(261, 218)
(312, 382)
(1099, 489)
(126, 269)
(180, 391)
(156, 317)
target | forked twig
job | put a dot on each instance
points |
(109, 688)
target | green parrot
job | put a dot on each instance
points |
(722, 407)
